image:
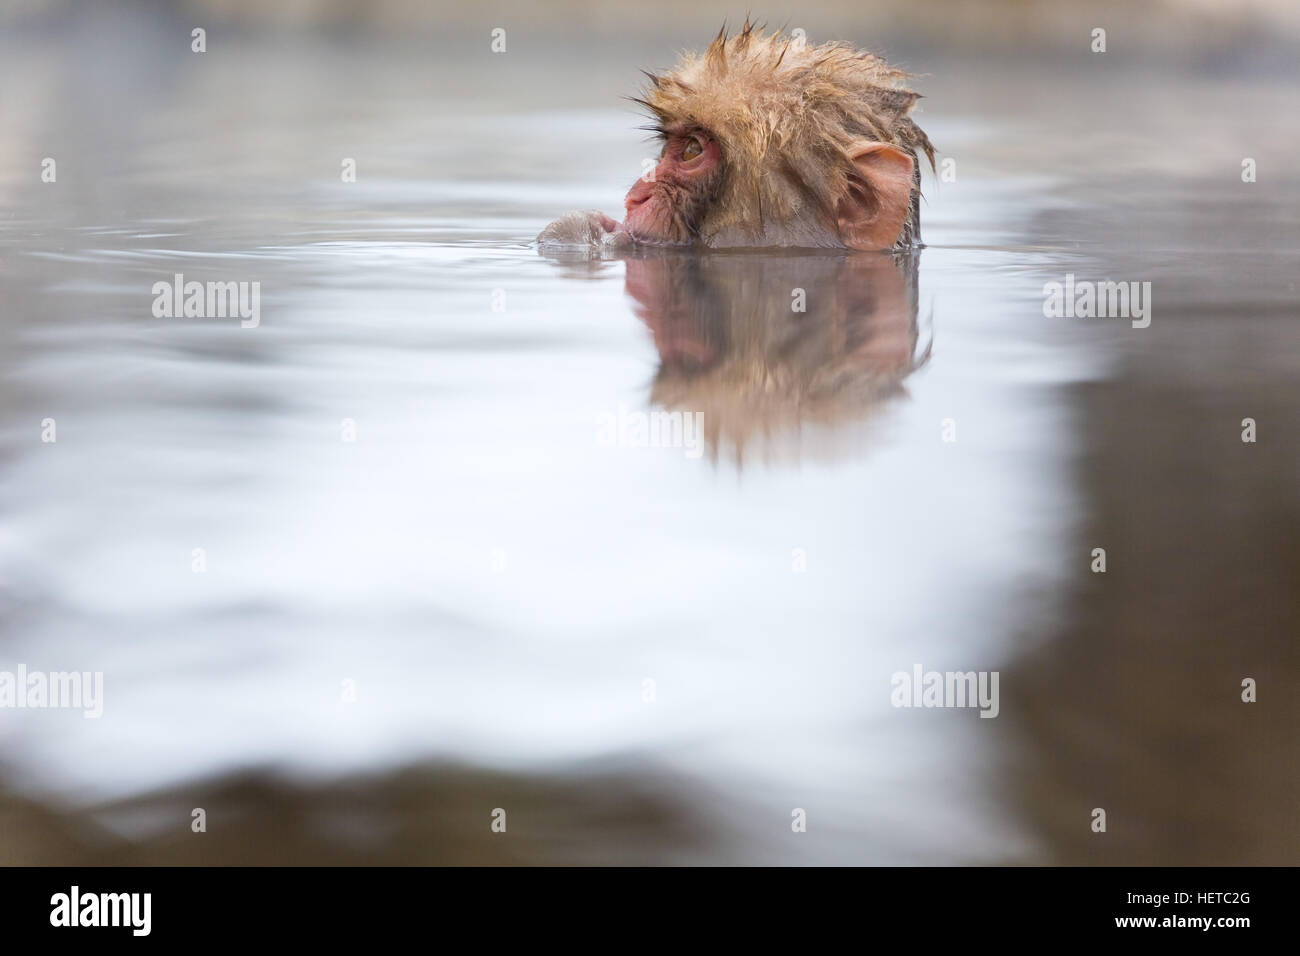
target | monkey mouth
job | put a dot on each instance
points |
(644, 235)
(660, 241)
(655, 223)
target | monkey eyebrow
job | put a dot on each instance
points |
(658, 124)
(675, 130)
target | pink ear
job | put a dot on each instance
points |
(878, 200)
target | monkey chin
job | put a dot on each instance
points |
(638, 238)
(652, 223)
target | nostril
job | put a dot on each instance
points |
(640, 194)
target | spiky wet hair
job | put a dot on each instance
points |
(786, 115)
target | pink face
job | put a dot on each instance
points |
(670, 207)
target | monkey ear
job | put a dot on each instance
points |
(878, 197)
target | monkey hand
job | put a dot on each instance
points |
(588, 228)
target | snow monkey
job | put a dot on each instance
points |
(771, 142)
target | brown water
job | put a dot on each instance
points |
(499, 579)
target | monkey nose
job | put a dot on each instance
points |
(638, 194)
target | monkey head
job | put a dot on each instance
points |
(767, 142)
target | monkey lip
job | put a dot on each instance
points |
(645, 240)
(640, 222)
(647, 233)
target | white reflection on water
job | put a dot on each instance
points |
(372, 560)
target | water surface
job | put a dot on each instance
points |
(420, 550)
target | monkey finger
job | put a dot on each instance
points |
(578, 228)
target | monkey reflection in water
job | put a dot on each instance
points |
(778, 353)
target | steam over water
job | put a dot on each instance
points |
(406, 477)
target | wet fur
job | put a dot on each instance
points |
(786, 117)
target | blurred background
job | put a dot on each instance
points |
(640, 655)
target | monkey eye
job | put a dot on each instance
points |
(692, 149)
